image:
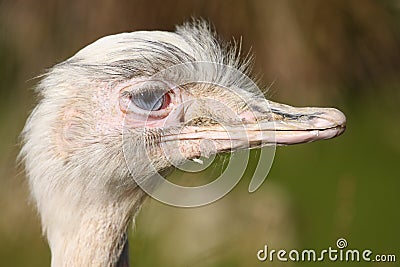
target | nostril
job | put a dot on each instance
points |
(248, 117)
(201, 121)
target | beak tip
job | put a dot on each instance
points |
(339, 117)
(331, 118)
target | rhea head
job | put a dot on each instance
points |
(130, 106)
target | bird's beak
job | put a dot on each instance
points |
(293, 125)
(266, 123)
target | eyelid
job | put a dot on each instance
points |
(143, 89)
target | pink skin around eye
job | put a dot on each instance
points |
(135, 117)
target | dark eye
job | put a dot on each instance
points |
(151, 100)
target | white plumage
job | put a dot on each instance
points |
(72, 141)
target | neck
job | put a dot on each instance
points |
(98, 237)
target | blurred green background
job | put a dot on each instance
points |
(344, 54)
